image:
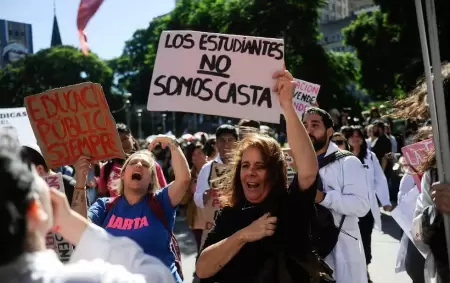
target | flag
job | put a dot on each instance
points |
(86, 11)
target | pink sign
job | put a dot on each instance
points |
(415, 155)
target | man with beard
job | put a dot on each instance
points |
(344, 193)
(381, 145)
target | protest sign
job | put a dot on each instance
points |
(217, 74)
(415, 155)
(53, 240)
(291, 168)
(15, 121)
(305, 95)
(212, 206)
(72, 121)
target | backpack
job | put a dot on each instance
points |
(158, 210)
(324, 233)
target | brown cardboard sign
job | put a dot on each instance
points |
(72, 121)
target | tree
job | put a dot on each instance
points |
(388, 47)
(52, 68)
(295, 21)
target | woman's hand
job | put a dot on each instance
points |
(261, 228)
(163, 140)
(285, 87)
(82, 167)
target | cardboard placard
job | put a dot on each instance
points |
(15, 121)
(217, 74)
(291, 167)
(55, 241)
(305, 95)
(415, 155)
(72, 121)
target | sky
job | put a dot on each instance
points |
(112, 25)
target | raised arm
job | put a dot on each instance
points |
(302, 149)
(180, 167)
(79, 200)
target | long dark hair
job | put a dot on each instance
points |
(363, 149)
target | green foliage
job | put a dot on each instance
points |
(295, 21)
(52, 68)
(387, 44)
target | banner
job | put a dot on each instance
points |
(72, 121)
(15, 120)
(415, 155)
(217, 74)
(305, 95)
(53, 240)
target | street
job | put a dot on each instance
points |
(385, 246)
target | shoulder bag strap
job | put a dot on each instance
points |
(158, 210)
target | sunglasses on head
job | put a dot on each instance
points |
(339, 142)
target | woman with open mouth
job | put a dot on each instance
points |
(262, 221)
(142, 211)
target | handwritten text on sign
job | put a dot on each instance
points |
(53, 240)
(216, 74)
(305, 95)
(73, 121)
(415, 155)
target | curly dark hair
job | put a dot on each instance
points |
(274, 161)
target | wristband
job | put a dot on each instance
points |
(80, 189)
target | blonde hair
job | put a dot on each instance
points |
(154, 183)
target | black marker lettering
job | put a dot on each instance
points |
(224, 92)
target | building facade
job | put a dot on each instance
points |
(334, 10)
(16, 40)
(356, 5)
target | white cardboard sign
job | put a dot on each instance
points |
(15, 120)
(217, 74)
(53, 240)
(305, 95)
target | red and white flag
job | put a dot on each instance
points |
(86, 11)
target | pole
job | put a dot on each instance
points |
(174, 124)
(438, 109)
(128, 113)
(164, 123)
(139, 114)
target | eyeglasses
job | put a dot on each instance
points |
(339, 142)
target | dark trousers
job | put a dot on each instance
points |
(366, 224)
(414, 263)
(198, 237)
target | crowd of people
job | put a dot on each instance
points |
(250, 223)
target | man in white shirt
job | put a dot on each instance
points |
(345, 192)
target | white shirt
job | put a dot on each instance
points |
(203, 181)
(98, 258)
(347, 191)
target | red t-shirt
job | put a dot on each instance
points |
(115, 175)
